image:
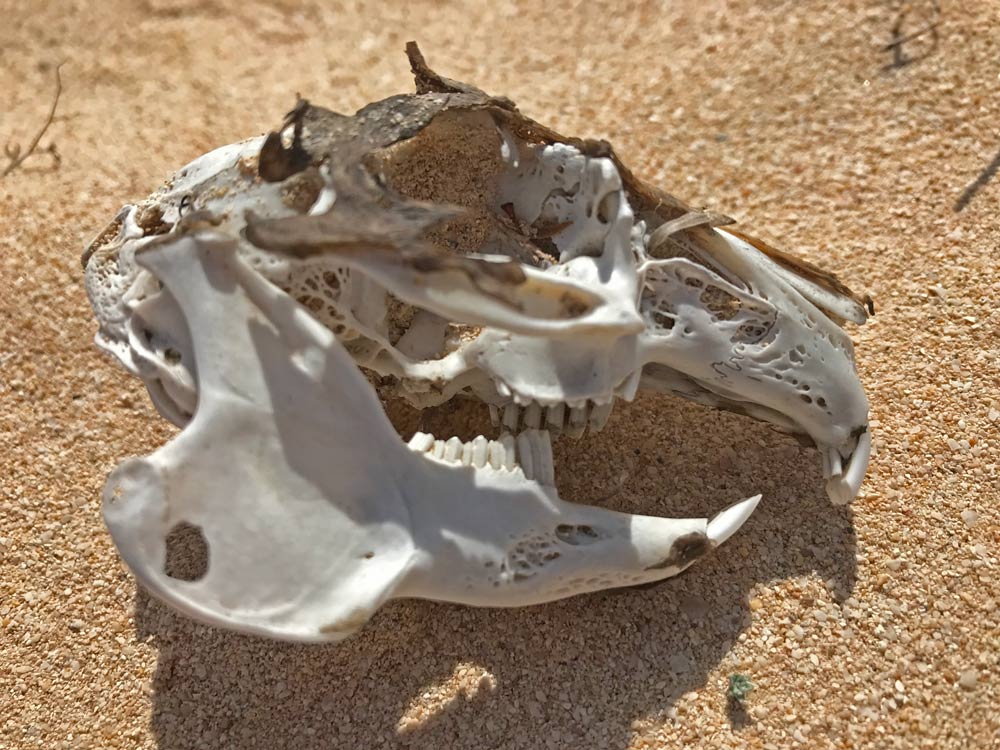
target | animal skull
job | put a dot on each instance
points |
(452, 247)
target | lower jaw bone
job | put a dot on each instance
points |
(315, 513)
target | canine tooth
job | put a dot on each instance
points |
(496, 454)
(480, 448)
(555, 416)
(494, 415)
(577, 422)
(421, 442)
(467, 454)
(533, 415)
(438, 449)
(453, 449)
(526, 455)
(510, 451)
(510, 414)
(599, 415)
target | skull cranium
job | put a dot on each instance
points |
(451, 247)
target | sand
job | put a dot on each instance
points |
(872, 627)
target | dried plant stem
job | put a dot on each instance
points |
(14, 154)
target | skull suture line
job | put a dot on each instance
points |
(453, 247)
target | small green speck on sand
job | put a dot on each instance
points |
(739, 687)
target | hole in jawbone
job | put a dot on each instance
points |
(187, 553)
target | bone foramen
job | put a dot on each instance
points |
(454, 248)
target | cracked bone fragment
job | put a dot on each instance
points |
(335, 514)
(454, 248)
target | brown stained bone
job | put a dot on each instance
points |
(684, 551)
(277, 163)
(353, 144)
(363, 215)
(427, 81)
(367, 218)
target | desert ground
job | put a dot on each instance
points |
(874, 626)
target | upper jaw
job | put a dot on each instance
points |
(819, 390)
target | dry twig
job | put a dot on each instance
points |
(899, 57)
(13, 151)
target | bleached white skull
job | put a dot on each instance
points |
(453, 247)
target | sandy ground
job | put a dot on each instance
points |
(870, 627)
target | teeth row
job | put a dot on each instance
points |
(530, 452)
(557, 419)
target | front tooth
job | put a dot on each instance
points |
(533, 415)
(525, 454)
(555, 416)
(577, 421)
(599, 415)
(843, 488)
(421, 442)
(494, 415)
(438, 449)
(453, 449)
(836, 462)
(728, 521)
(467, 450)
(509, 451)
(480, 448)
(497, 455)
(510, 415)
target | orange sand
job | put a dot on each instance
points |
(874, 627)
